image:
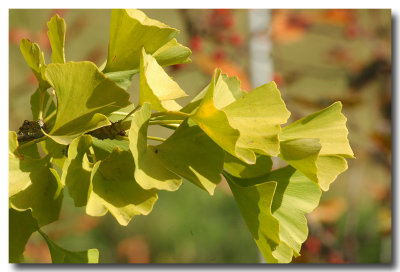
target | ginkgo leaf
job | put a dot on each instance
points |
(224, 95)
(255, 203)
(115, 189)
(103, 148)
(291, 195)
(34, 57)
(21, 226)
(156, 87)
(77, 170)
(130, 31)
(56, 36)
(239, 169)
(43, 196)
(84, 97)
(309, 145)
(258, 116)
(215, 124)
(172, 53)
(327, 125)
(149, 170)
(61, 255)
(190, 153)
(56, 151)
(295, 196)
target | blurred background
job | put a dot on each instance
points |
(316, 57)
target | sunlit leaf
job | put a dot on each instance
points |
(58, 152)
(56, 36)
(258, 116)
(255, 203)
(43, 196)
(77, 170)
(190, 153)
(35, 59)
(327, 125)
(215, 124)
(295, 195)
(115, 189)
(149, 170)
(156, 87)
(61, 255)
(21, 226)
(317, 145)
(130, 31)
(84, 97)
(172, 53)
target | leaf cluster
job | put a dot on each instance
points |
(98, 140)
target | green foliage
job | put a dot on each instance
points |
(99, 141)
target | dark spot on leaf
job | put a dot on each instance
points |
(156, 151)
(114, 58)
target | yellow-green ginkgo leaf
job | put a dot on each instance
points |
(33, 185)
(115, 189)
(294, 195)
(34, 57)
(255, 203)
(327, 125)
(130, 31)
(150, 172)
(215, 123)
(190, 153)
(224, 95)
(77, 170)
(258, 116)
(309, 145)
(84, 97)
(156, 87)
(239, 169)
(56, 36)
(172, 53)
(21, 226)
(61, 255)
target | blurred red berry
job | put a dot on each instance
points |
(219, 55)
(196, 43)
(236, 39)
(313, 245)
(278, 78)
(229, 21)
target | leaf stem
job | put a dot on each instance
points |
(173, 113)
(165, 122)
(156, 138)
(130, 113)
(41, 102)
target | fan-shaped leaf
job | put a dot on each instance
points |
(317, 145)
(156, 87)
(130, 31)
(149, 170)
(190, 153)
(84, 97)
(115, 189)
